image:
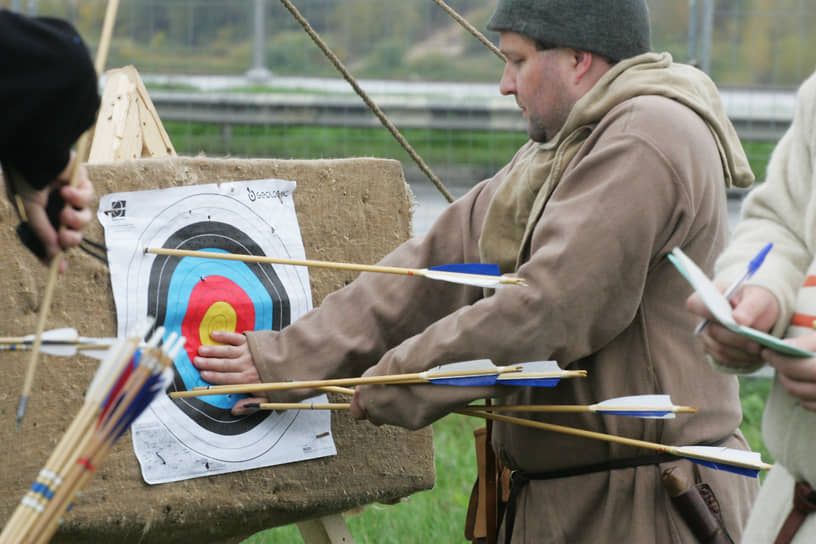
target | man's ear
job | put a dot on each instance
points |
(581, 63)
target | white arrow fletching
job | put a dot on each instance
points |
(59, 350)
(638, 403)
(464, 368)
(164, 380)
(533, 367)
(475, 280)
(748, 459)
(103, 342)
(66, 334)
(95, 353)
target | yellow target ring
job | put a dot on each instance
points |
(221, 316)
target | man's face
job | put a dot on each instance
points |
(539, 81)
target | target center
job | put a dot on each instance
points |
(220, 316)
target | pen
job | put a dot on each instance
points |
(753, 266)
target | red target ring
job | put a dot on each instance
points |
(216, 304)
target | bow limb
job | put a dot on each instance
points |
(83, 145)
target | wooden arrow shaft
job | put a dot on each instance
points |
(317, 384)
(573, 408)
(419, 272)
(673, 450)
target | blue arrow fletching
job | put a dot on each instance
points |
(487, 379)
(506, 379)
(743, 471)
(745, 463)
(140, 401)
(636, 413)
(642, 406)
(463, 373)
(484, 269)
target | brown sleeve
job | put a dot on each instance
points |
(355, 326)
(604, 228)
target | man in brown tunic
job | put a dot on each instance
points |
(629, 157)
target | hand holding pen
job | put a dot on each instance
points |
(753, 266)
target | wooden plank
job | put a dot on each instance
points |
(330, 529)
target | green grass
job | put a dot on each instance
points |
(484, 149)
(753, 393)
(487, 151)
(438, 515)
(758, 155)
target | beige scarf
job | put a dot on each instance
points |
(520, 200)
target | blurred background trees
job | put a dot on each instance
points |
(753, 42)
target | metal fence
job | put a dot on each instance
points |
(241, 78)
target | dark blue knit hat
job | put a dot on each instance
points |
(616, 29)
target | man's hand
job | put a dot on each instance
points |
(72, 218)
(357, 408)
(755, 307)
(797, 375)
(227, 364)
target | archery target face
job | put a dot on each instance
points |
(193, 296)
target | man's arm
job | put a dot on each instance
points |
(590, 258)
(355, 326)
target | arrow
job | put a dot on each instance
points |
(466, 373)
(531, 374)
(27, 517)
(538, 374)
(124, 403)
(64, 342)
(297, 406)
(746, 463)
(67, 334)
(475, 274)
(61, 350)
(642, 406)
(741, 462)
(125, 384)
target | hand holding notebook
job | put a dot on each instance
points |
(720, 307)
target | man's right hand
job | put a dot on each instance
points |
(228, 362)
(754, 307)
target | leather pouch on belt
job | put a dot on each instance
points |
(476, 520)
(698, 506)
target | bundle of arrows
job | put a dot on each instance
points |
(126, 382)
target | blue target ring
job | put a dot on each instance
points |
(190, 272)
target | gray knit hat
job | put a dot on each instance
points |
(616, 29)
